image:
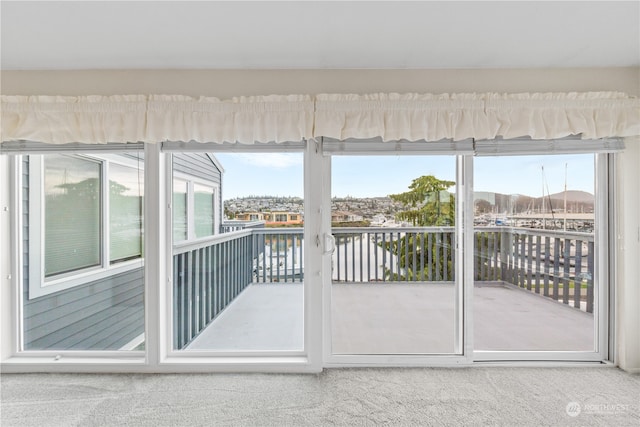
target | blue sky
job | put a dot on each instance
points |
(281, 174)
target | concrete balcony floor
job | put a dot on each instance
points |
(399, 319)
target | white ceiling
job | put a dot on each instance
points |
(306, 34)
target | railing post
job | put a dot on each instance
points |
(254, 256)
(547, 262)
(537, 260)
(529, 243)
(566, 259)
(496, 255)
(523, 260)
(437, 264)
(577, 274)
(556, 267)
(453, 252)
(189, 297)
(177, 313)
(590, 271)
(504, 242)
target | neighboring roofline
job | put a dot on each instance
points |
(215, 161)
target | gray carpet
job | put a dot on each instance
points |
(448, 397)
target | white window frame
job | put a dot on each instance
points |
(158, 356)
(191, 182)
(465, 154)
(309, 358)
(39, 285)
(462, 354)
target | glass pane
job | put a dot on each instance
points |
(203, 210)
(239, 287)
(393, 280)
(72, 200)
(101, 308)
(179, 210)
(534, 253)
(126, 189)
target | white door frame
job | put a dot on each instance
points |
(464, 279)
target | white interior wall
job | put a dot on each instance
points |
(6, 258)
(628, 262)
(229, 83)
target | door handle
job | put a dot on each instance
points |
(329, 244)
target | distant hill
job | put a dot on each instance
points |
(574, 196)
(577, 201)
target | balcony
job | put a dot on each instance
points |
(533, 290)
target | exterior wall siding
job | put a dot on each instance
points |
(104, 314)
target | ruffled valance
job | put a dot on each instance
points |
(555, 115)
(64, 119)
(245, 119)
(480, 116)
(401, 116)
(276, 118)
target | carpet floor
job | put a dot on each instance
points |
(477, 396)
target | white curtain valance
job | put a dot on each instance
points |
(480, 116)
(555, 115)
(246, 120)
(279, 118)
(64, 119)
(401, 116)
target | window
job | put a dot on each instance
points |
(204, 208)
(78, 238)
(72, 199)
(180, 191)
(85, 218)
(195, 197)
(125, 208)
(281, 217)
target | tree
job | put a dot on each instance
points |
(426, 208)
(424, 199)
(482, 206)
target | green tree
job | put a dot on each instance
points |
(423, 256)
(424, 200)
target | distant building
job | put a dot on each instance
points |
(343, 216)
(275, 218)
(250, 216)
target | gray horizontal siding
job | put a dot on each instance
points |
(100, 315)
(82, 306)
(198, 165)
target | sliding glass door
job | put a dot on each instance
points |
(500, 257)
(539, 274)
(238, 252)
(394, 287)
